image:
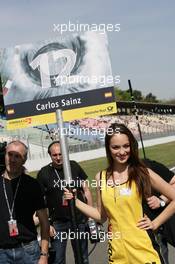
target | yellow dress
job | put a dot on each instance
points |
(127, 244)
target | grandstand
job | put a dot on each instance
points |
(153, 125)
(86, 134)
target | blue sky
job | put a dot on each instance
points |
(143, 50)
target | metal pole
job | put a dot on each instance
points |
(2, 108)
(42, 146)
(0, 86)
(49, 132)
(68, 178)
(137, 117)
(28, 145)
(64, 147)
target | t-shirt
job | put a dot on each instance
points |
(52, 181)
(160, 169)
(29, 198)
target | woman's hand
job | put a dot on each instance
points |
(145, 223)
(153, 202)
(52, 231)
(69, 195)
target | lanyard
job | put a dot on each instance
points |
(58, 176)
(7, 201)
(56, 172)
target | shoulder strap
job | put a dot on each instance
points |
(101, 175)
(102, 179)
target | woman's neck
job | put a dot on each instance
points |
(119, 173)
(120, 168)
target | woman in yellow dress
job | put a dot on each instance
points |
(122, 190)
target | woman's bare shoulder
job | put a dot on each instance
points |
(98, 176)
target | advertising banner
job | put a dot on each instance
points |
(72, 73)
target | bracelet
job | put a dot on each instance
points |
(44, 254)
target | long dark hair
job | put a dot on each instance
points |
(136, 171)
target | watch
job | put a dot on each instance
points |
(162, 202)
(44, 254)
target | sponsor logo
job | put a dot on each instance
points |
(108, 95)
(10, 111)
(110, 108)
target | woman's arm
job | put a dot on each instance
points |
(100, 206)
(96, 213)
(44, 229)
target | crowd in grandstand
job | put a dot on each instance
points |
(152, 123)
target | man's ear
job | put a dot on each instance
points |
(24, 159)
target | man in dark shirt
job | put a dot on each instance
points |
(51, 178)
(157, 203)
(20, 198)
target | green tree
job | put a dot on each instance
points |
(137, 95)
(151, 98)
(122, 95)
(170, 101)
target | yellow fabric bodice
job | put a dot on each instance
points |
(123, 206)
